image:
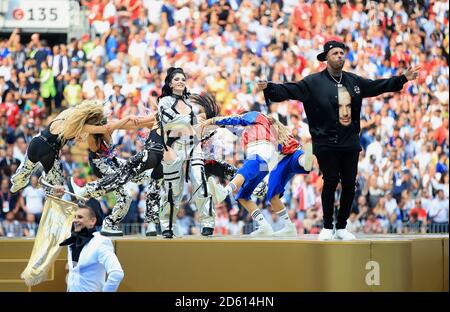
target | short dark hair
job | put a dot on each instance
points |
(92, 213)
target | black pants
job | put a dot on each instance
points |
(48, 105)
(41, 151)
(59, 84)
(338, 166)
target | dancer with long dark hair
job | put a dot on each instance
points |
(177, 122)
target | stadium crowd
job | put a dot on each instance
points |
(223, 46)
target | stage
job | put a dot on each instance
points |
(242, 263)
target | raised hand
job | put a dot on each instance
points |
(261, 84)
(412, 72)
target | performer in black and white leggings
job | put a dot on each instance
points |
(149, 158)
(104, 162)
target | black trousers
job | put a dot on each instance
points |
(41, 151)
(338, 166)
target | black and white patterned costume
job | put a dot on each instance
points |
(103, 163)
(177, 133)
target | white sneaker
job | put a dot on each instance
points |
(110, 230)
(78, 190)
(260, 190)
(344, 234)
(263, 230)
(217, 191)
(308, 156)
(288, 230)
(325, 234)
(151, 229)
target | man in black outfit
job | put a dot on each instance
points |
(332, 99)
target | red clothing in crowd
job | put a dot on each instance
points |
(421, 213)
(440, 134)
(96, 8)
(134, 6)
(12, 113)
(301, 16)
(319, 13)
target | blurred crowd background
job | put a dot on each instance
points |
(223, 46)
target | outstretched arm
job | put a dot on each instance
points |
(235, 120)
(110, 126)
(229, 121)
(140, 122)
(372, 88)
(12, 37)
(278, 92)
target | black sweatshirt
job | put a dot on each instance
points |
(319, 94)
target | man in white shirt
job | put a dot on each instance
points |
(438, 213)
(153, 10)
(390, 203)
(375, 148)
(426, 199)
(89, 85)
(93, 265)
(34, 198)
(137, 49)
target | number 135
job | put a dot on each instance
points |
(40, 14)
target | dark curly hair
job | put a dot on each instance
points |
(207, 102)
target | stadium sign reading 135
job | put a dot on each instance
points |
(37, 14)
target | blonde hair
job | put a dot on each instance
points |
(282, 131)
(87, 112)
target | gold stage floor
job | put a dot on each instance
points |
(243, 263)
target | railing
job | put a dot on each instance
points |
(140, 228)
(405, 228)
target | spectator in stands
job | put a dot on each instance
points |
(420, 215)
(73, 92)
(30, 227)
(382, 215)
(235, 226)
(372, 225)
(414, 225)
(9, 201)
(48, 89)
(9, 163)
(32, 199)
(438, 213)
(10, 226)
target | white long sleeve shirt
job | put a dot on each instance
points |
(98, 269)
(439, 210)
